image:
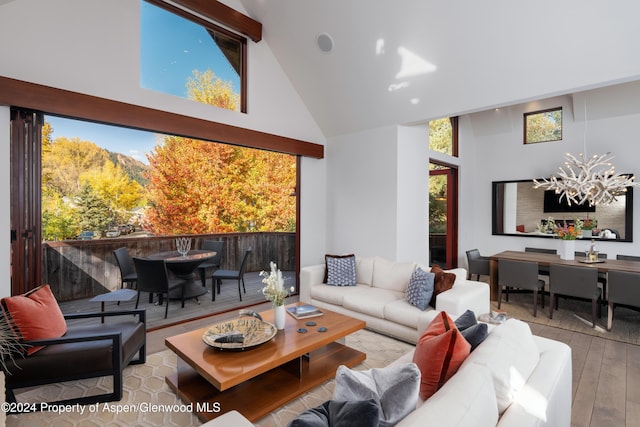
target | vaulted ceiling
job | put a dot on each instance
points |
(409, 61)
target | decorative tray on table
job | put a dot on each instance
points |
(587, 261)
(239, 334)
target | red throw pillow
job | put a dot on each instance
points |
(439, 353)
(443, 281)
(36, 315)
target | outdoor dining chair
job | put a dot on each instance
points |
(153, 278)
(128, 273)
(219, 275)
(213, 246)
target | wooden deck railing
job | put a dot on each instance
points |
(81, 269)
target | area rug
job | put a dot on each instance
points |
(575, 315)
(148, 401)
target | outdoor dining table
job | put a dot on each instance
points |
(184, 267)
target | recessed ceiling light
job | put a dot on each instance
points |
(324, 42)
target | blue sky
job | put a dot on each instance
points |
(134, 143)
(171, 47)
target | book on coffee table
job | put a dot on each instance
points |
(304, 311)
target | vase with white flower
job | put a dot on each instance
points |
(275, 292)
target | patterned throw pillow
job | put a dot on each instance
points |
(341, 270)
(420, 288)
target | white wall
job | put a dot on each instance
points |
(494, 139)
(92, 47)
(412, 242)
(362, 193)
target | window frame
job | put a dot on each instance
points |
(209, 26)
(529, 114)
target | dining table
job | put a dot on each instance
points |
(184, 267)
(543, 259)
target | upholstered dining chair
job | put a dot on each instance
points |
(128, 273)
(521, 275)
(478, 264)
(574, 281)
(154, 278)
(624, 289)
(542, 270)
(213, 246)
(219, 275)
(627, 257)
(602, 277)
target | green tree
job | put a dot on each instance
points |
(94, 214)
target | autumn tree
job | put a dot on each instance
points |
(116, 190)
(205, 187)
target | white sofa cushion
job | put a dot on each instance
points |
(392, 275)
(335, 294)
(370, 301)
(467, 399)
(400, 311)
(511, 354)
(364, 270)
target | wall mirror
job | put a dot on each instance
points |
(518, 209)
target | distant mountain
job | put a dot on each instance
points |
(136, 170)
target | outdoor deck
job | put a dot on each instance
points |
(226, 301)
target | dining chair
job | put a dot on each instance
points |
(627, 257)
(574, 281)
(154, 278)
(219, 275)
(213, 246)
(542, 269)
(602, 277)
(624, 289)
(520, 275)
(478, 264)
(128, 273)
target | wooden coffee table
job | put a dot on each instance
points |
(257, 381)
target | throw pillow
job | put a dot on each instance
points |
(339, 414)
(442, 282)
(439, 353)
(36, 315)
(394, 389)
(475, 334)
(466, 320)
(340, 270)
(420, 288)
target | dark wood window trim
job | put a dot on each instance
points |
(215, 11)
(76, 105)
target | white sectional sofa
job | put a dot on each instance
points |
(512, 379)
(379, 298)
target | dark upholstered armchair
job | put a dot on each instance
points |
(87, 350)
(478, 264)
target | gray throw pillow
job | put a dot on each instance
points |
(362, 413)
(341, 270)
(475, 334)
(466, 320)
(420, 288)
(394, 388)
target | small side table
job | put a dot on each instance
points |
(119, 295)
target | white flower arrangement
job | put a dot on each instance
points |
(274, 290)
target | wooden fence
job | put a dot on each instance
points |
(81, 269)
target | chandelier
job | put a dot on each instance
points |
(593, 180)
